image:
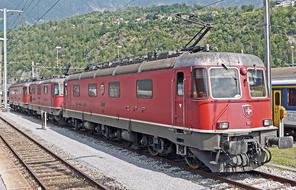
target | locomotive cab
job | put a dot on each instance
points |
(234, 95)
(57, 94)
(19, 96)
(47, 96)
(229, 111)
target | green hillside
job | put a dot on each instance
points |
(94, 37)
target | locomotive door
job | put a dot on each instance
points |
(179, 104)
(277, 102)
(25, 93)
(54, 93)
(66, 96)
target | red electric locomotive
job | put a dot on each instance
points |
(211, 108)
(19, 96)
(47, 95)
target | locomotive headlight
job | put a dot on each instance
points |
(223, 125)
(267, 122)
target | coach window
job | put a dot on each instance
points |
(45, 89)
(92, 90)
(39, 89)
(144, 88)
(199, 83)
(292, 97)
(180, 84)
(114, 89)
(76, 90)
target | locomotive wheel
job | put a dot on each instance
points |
(152, 151)
(192, 161)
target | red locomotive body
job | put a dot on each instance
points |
(89, 94)
(47, 96)
(212, 107)
(19, 95)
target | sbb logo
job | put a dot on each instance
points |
(247, 111)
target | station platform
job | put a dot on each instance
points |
(11, 177)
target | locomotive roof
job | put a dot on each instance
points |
(184, 60)
(49, 81)
(24, 84)
(217, 59)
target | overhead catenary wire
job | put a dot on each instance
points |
(25, 9)
(25, 4)
(48, 10)
(18, 7)
(34, 5)
(210, 4)
(32, 8)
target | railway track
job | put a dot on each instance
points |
(225, 178)
(274, 178)
(48, 170)
(203, 172)
(285, 183)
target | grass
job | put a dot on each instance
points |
(286, 157)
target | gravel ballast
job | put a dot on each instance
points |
(120, 168)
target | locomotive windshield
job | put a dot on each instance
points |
(200, 85)
(256, 83)
(225, 83)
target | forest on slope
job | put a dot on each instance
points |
(95, 37)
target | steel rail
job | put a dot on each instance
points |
(274, 178)
(223, 179)
(24, 164)
(78, 171)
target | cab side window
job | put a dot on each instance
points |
(39, 89)
(32, 89)
(144, 88)
(114, 89)
(45, 89)
(62, 89)
(76, 90)
(199, 84)
(180, 84)
(92, 90)
(56, 89)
